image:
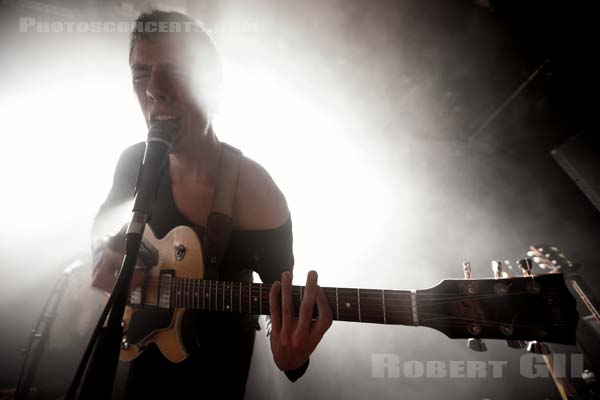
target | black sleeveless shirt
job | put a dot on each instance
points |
(220, 343)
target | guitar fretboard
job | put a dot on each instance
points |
(394, 307)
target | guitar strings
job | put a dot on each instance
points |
(187, 285)
(390, 295)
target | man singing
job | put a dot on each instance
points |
(177, 76)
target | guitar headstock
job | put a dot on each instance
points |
(523, 308)
(550, 259)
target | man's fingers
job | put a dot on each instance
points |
(325, 318)
(308, 303)
(287, 307)
(275, 308)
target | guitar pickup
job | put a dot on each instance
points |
(135, 298)
(164, 288)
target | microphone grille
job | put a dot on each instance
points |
(163, 131)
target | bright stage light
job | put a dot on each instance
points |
(338, 200)
(62, 141)
(67, 131)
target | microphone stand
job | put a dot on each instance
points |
(41, 333)
(95, 375)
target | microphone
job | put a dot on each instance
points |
(160, 141)
(96, 372)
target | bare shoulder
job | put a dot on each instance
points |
(259, 204)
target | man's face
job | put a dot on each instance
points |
(163, 84)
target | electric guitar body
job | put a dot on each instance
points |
(147, 319)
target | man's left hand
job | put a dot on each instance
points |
(294, 339)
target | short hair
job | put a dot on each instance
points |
(190, 31)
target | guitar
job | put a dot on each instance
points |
(523, 308)
(551, 260)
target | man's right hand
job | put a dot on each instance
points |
(107, 263)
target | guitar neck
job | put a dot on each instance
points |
(525, 308)
(392, 307)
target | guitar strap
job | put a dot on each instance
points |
(219, 222)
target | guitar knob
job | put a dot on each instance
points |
(476, 345)
(124, 344)
(516, 344)
(525, 266)
(180, 252)
(538, 347)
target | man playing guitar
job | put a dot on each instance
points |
(177, 76)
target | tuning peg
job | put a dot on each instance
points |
(476, 345)
(467, 269)
(516, 344)
(513, 344)
(498, 269)
(538, 347)
(525, 266)
(473, 343)
(530, 253)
